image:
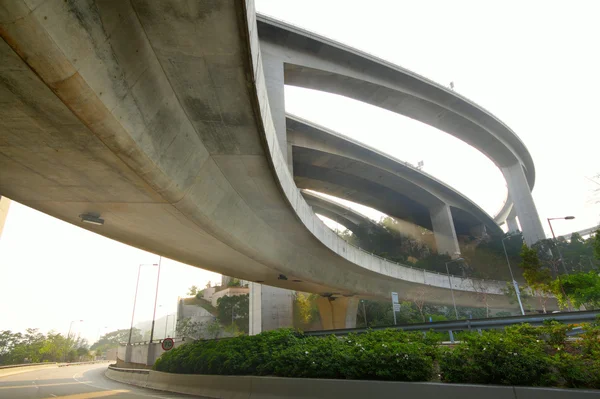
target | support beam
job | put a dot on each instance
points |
(339, 312)
(520, 192)
(274, 79)
(270, 308)
(511, 221)
(443, 230)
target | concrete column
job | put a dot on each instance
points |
(274, 79)
(270, 308)
(511, 221)
(519, 191)
(444, 232)
(339, 312)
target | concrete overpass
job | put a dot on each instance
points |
(154, 117)
(333, 164)
(346, 216)
(296, 57)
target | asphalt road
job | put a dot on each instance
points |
(73, 382)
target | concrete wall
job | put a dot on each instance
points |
(142, 354)
(231, 291)
(270, 308)
(230, 387)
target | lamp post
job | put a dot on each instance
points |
(155, 298)
(562, 261)
(450, 282)
(167, 323)
(517, 290)
(135, 299)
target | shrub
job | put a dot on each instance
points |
(496, 358)
(577, 371)
(381, 355)
(555, 333)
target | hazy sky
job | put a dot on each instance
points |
(532, 64)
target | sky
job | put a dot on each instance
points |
(532, 64)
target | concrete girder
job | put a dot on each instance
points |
(321, 151)
(318, 63)
(341, 214)
(155, 115)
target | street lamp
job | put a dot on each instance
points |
(167, 323)
(450, 282)
(517, 290)
(135, 298)
(562, 261)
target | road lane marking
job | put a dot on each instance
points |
(38, 385)
(92, 395)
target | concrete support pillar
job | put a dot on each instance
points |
(338, 312)
(444, 232)
(511, 221)
(274, 79)
(270, 308)
(519, 191)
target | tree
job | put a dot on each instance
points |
(418, 298)
(35, 347)
(510, 292)
(537, 277)
(305, 310)
(579, 289)
(234, 282)
(482, 294)
(114, 338)
(193, 290)
(234, 309)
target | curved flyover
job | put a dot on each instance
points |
(314, 62)
(337, 212)
(154, 116)
(333, 164)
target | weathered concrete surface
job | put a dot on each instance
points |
(230, 387)
(347, 217)
(270, 308)
(155, 116)
(315, 62)
(443, 229)
(336, 313)
(334, 164)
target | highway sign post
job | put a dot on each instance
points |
(168, 344)
(395, 305)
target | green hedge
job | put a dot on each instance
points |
(519, 355)
(383, 355)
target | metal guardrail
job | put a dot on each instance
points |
(473, 324)
(156, 341)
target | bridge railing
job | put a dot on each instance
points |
(472, 324)
(484, 282)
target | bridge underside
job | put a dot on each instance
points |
(154, 116)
